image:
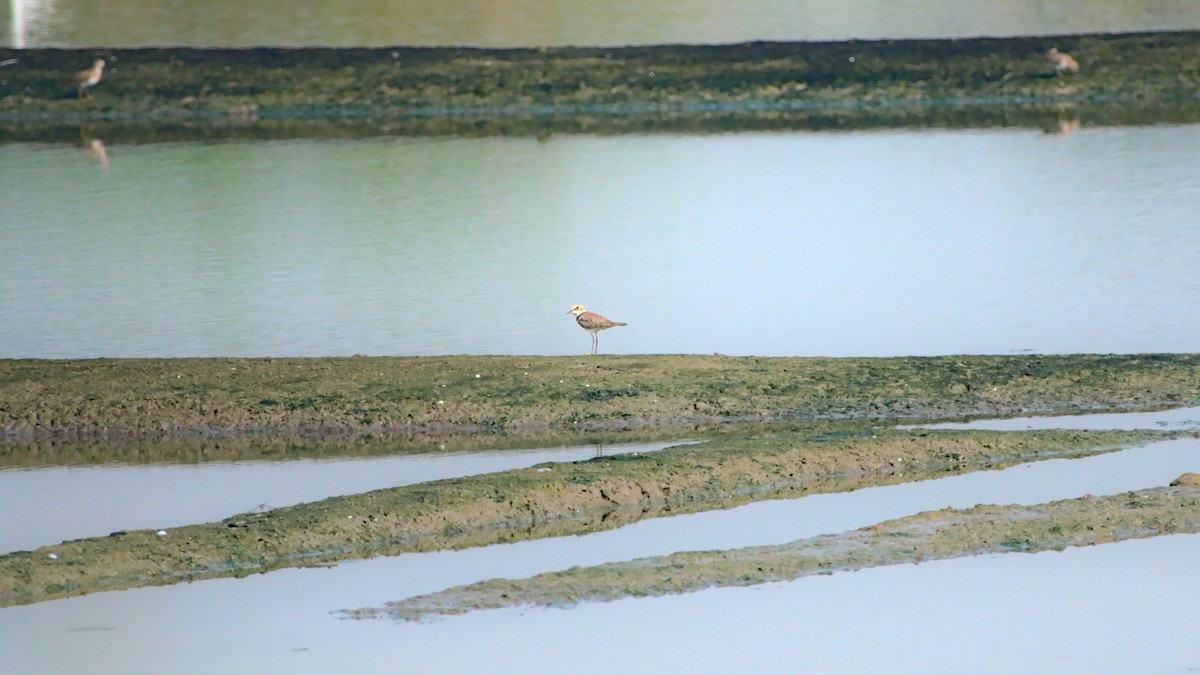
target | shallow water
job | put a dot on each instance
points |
(53, 504)
(872, 243)
(994, 614)
(990, 614)
(223, 23)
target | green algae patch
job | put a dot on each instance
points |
(179, 83)
(547, 500)
(124, 398)
(934, 535)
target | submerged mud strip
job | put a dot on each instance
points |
(934, 535)
(405, 82)
(547, 500)
(128, 398)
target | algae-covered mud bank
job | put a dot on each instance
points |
(414, 82)
(935, 535)
(154, 397)
(542, 501)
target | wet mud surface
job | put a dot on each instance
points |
(547, 500)
(145, 398)
(933, 535)
(414, 83)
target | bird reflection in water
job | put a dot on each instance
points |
(1066, 123)
(94, 147)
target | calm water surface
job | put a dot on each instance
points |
(807, 243)
(1069, 612)
(223, 23)
(1044, 612)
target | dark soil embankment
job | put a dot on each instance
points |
(405, 82)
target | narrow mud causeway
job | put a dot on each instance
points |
(547, 500)
(934, 535)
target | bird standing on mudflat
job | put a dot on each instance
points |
(1062, 61)
(90, 77)
(593, 323)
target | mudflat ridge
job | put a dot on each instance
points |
(922, 537)
(548, 500)
(408, 82)
(128, 398)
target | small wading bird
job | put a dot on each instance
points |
(1062, 62)
(88, 78)
(593, 323)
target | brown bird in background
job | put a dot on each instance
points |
(88, 78)
(593, 323)
(1062, 61)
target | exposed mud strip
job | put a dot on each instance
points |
(546, 500)
(400, 82)
(934, 535)
(123, 398)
